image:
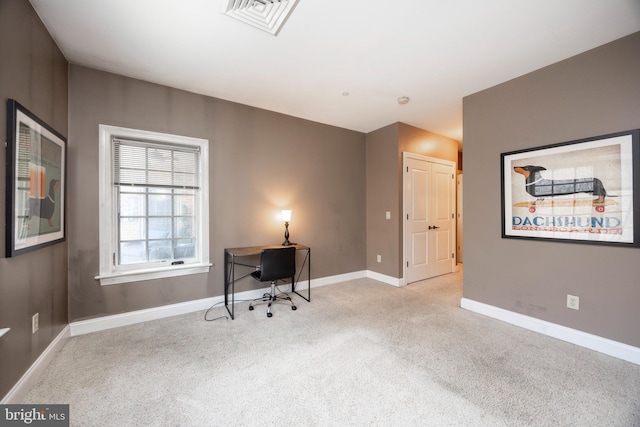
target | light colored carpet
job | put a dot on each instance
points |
(362, 353)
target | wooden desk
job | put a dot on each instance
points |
(231, 256)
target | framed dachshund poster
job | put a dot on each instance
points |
(583, 191)
(36, 170)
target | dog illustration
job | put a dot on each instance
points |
(45, 207)
(540, 187)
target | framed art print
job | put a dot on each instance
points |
(36, 170)
(583, 191)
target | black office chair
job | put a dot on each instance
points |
(275, 264)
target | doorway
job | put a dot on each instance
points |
(429, 217)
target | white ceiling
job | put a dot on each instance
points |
(434, 51)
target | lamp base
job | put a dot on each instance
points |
(286, 235)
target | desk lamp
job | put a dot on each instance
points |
(286, 216)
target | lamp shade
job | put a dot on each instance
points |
(286, 215)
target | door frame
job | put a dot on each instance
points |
(459, 218)
(407, 155)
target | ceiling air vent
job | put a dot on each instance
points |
(266, 15)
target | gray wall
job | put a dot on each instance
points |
(384, 188)
(34, 72)
(595, 93)
(260, 162)
(383, 196)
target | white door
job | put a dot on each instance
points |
(429, 236)
(417, 179)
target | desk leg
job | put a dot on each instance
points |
(229, 279)
(307, 260)
(309, 275)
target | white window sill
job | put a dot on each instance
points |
(152, 273)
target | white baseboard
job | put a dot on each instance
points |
(330, 280)
(28, 380)
(123, 319)
(583, 339)
(394, 281)
(82, 327)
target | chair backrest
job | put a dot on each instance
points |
(277, 263)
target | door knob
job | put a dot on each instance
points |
(433, 227)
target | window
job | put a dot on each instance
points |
(153, 205)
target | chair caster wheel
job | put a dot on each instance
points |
(250, 307)
(293, 307)
(269, 314)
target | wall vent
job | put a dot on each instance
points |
(266, 15)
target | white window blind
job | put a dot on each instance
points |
(139, 163)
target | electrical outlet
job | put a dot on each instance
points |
(573, 302)
(388, 216)
(35, 323)
(379, 258)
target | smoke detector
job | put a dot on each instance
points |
(403, 100)
(266, 15)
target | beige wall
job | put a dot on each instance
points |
(595, 93)
(33, 71)
(419, 141)
(384, 188)
(260, 163)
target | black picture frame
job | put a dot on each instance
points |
(36, 182)
(581, 191)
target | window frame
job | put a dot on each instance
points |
(112, 273)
